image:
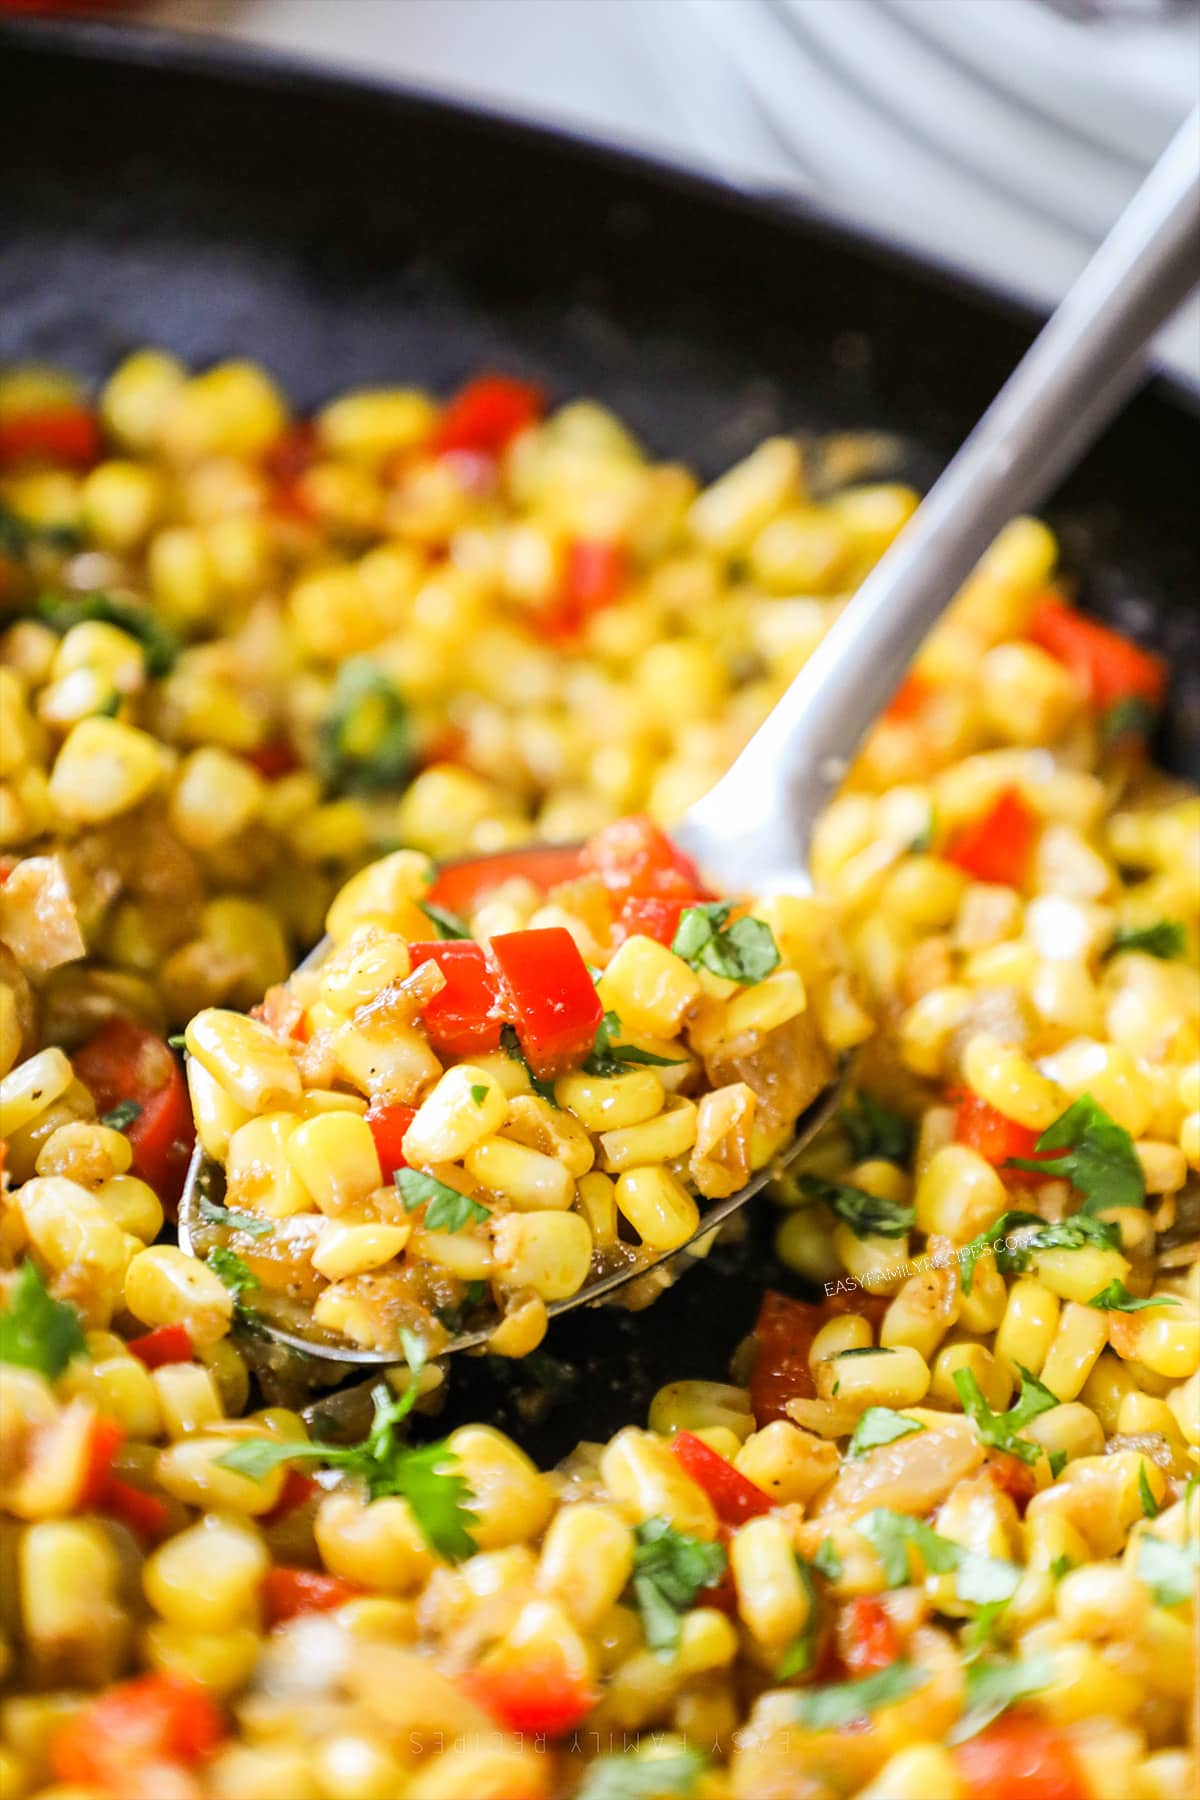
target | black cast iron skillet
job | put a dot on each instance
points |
(157, 190)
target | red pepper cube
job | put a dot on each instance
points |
(388, 1125)
(165, 1344)
(464, 1017)
(549, 997)
(487, 414)
(734, 1497)
(999, 846)
(644, 915)
(124, 1061)
(461, 887)
(1111, 667)
(632, 856)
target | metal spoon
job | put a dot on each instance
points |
(750, 833)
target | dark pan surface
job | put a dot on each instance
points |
(160, 191)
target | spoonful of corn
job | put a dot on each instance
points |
(512, 1086)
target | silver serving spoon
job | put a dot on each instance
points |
(750, 833)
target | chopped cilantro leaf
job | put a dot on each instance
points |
(1057, 1460)
(160, 646)
(364, 741)
(1096, 1155)
(801, 1654)
(177, 1041)
(1116, 1297)
(979, 1580)
(212, 1214)
(1063, 1234)
(669, 1570)
(18, 535)
(1167, 940)
(1150, 1506)
(1000, 1429)
(445, 1208)
(122, 1114)
(744, 950)
(827, 1562)
(479, 1093)
(866, 1214)
(879, 1425)
(448, 924)
(829, 1708)
(874, 1130)
(37, 1332)
(638, 1776)
(510, 1043)
(993, 1685)
(1131, 717)
(1169, 1570)
(607, 1058)
(238, 1277)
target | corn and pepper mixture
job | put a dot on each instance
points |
(952, 1500)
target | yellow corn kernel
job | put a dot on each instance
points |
(958, 1194)
(187, 1397)
(698, 1405)
(227, 1366)
(680, 682)
(443, 806)
(611, 1102)
(68, 1227)
(165, 1287)
(597, 1196)
(1106, 1387)
(920, 1772)
(69, 1575)
(995, 1382)
(1142, 1413)
(1071, 1430)
(121, 503)
(352, 1766)
(217, 1114)
(207, 1578)
(180, 572)
(34, 1085)
(1079, 1274)
(491, 1772)
(120, 1387)
(531, 1181)
(335, 1157)
(359, 969)
(845, 1331)
(773, 1600)
(259, 1176)
(658, 1207)
(378, 1544)
(1086, 1685)
(10, 1031)
(191, 1471)
(1168, 1344)
(789, 1464)
(585, 1561)
(221, 1661)
(649, 987)
(922, 1312)
(386, 893)
(86, 1153)
(540, 1126)
(1027, 1329)
(133, 1205)
(216, 796)
(659, 1140)
(731, 512)
(387, 1062)
(1004, 1077)
(1184, 1402)
(246, 1059)
(804, 1242)
(894, 1378)
(1102, 1601)
(136, 395)
(875, 1262)
(647, 1481)
(549, 1252)
(802, 551)
(346, 1249)
(103, 769)
(465, 1107)
(1081, 1336)
(511, 1498)
(1165, 1775)
(374, 423)
(234, 409)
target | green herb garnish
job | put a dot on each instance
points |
(637, 1776)
(1064, 1234)
(743, 950)
(670, 1568)
(979, 1580)
(1150, 1506)
(829, 1708)
(879, 1425)
(874, 1130)
(1096, 1155)
(237, 1275)
(448, 924)
(609, 1058)
(364, 740)
(1169, 1570)
(1131, 717)
(866, 1214)
(121, 1115)
(510, 1043)
(212, 1214)
(160, 645)
(1116, 1297)
(445, 1208)
(37, 1332)
(800, 1656)
(993, 1685)
(1000, 1430)
(827, 1562)
(1167, 940)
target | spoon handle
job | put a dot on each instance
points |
(755, 823)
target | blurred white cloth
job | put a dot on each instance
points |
(1000, 136)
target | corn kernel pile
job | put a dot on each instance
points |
(952, 1498)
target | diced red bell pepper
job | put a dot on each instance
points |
(461, 887)
(734, 1498)
(487, 414)
(282, 1013)
(632, 856)
(999, 846)
(463, 1018)
(165, 1344)
(445, 746)
(67, 433)
(388, 1126)
(1020, 1756)
(1110, 666)
(541, 1696)
(549, 997)
(105, 1438)
(867, 1637)
(298, 1490)
(909, 699)
(286, 1593)
(274, 759)
(124, 1061)
(990, 1133)
(642, 915)
(785, 1331)
(145, 1514)
(154, 1719)
(286, 463)
(593, 577)
(1013, 1477)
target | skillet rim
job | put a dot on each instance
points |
(76, 37)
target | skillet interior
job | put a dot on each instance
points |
(341, 233)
